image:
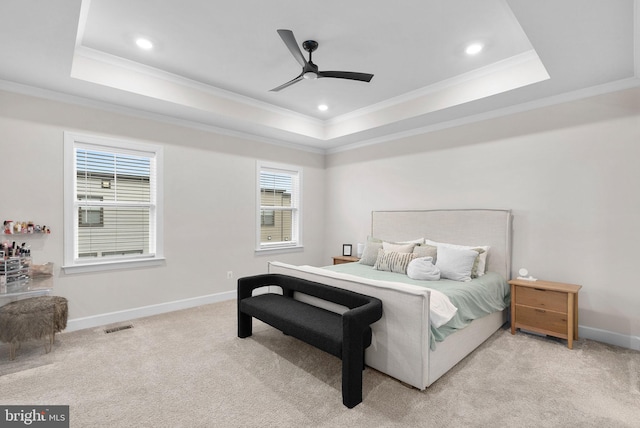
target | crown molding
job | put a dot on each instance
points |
(619, 85)
(155, 73)
(48, 94)
(443, 85)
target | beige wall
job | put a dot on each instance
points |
(209, 203)
(569, 173)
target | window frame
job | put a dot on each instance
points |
(296, 208)
(73, 264)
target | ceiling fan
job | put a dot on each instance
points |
(309, 69)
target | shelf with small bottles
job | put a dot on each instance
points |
(11, 227)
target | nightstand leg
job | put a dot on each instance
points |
(513, 309)
(575, 317)
(570, 320)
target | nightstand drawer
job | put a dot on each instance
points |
(543, 299)
(338, 260)
(542, 320)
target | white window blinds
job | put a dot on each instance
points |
(113, 204)
(279, 201)
(114, 191)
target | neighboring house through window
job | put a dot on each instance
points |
(279, 206)
(113, 196)
(91, 216)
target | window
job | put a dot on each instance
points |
(113, 197)
(279, 206)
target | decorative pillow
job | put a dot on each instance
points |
(392, 261)
(426, 251)
(476, 263)
(398, 248)
(370, 252)
(482, 262)
(456, 263)
(423, 269)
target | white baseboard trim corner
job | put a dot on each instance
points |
(145, 311)
(609, 337)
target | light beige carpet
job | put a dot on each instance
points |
(188, 369)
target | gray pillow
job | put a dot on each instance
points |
(476, 264)
(426, 251)
(370, 253)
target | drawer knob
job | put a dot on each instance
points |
(540, 310)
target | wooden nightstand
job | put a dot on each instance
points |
(545, 307)
(338, 260)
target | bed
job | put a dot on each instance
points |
(405, 345)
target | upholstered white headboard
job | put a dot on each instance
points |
(464, 227)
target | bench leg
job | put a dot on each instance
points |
(245, 328)
(352, 368)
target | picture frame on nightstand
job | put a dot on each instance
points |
(346, 249)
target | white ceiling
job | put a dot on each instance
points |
(214, 62)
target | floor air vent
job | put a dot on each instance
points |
(118, 328)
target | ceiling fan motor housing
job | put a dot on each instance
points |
(310, 45)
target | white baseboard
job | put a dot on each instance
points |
(605, 336)
(145, 311)
(609, 337)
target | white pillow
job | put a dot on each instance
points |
(456, 263)
(482, 260)
(423, 269)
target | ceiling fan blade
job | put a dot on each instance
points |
(289, 83)
(289, 39)
(364, 77)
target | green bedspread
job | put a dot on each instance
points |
(475, 299)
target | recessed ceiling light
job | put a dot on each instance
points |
(473, 48)
(144, 43)
(323, 107)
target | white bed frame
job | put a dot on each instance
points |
(401, 340)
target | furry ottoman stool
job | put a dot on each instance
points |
(32, 318)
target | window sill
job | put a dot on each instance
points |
(279, 250)
(113, 265)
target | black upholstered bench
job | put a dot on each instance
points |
(344, 335)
